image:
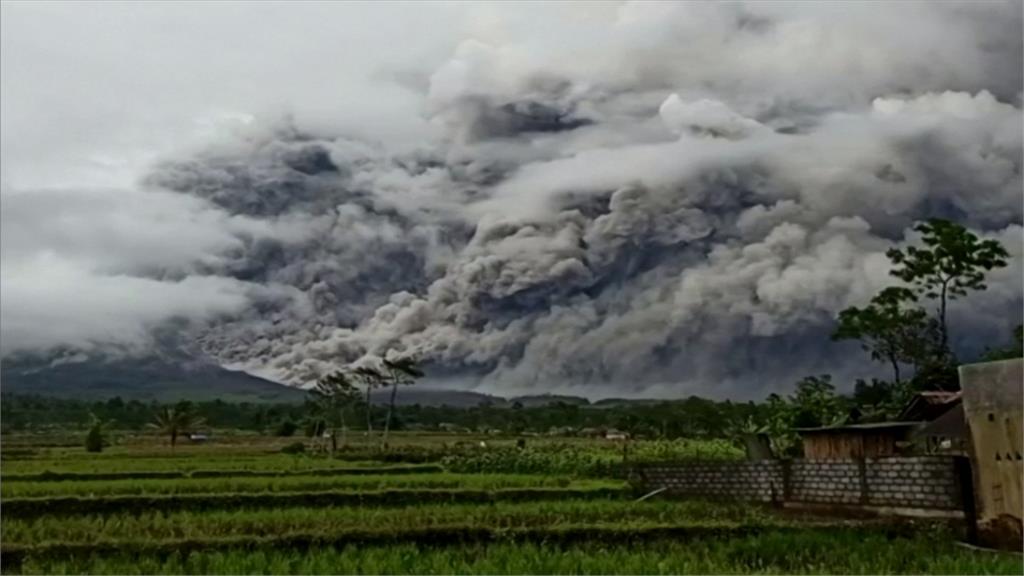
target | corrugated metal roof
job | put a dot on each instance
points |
(856, 427)
(951, 424)
(929, 405)
(939, 397)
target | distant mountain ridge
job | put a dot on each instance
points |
(173, 374)
(164, 377)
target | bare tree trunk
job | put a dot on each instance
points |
(387, 422)
(369, 414)
(344, 436)
(943, 333)
(895, 369)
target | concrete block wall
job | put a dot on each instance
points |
(921, 482)
(825, 481)
(913, 482)
(757, 481)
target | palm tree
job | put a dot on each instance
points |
(399, 371)
(176, 420)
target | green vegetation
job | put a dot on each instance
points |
(950, 262)
(300, 483)
(35, 507)
(243, 506)
(112, 466)
(176, 420)
(804, 552)
(95, 439)
(339, 520)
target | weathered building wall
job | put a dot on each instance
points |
(919, 482)
(992, 398)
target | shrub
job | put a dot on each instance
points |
(294, 448)
(560, 460)
(94, 440)
(286, 428)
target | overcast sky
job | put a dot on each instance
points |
(576, 192)
(93, 93)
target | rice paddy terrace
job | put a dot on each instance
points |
(430, 504)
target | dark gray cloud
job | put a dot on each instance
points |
(648, 198)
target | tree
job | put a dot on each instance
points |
(879, 400)
(779, 416)
(371, 378)
(95, 439)
(815, 403)
(176, 420)
(332, 395)
(399, 371)
(952, 262)
(889, 330)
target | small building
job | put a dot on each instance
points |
(946, 434)
(874, 440)
(944, 428)
(928, 405)
(613, 434)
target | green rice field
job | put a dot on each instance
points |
(247, 508)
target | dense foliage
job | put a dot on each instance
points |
(690, 418)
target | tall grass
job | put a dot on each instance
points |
(282, 521)
(102, 465)
(804, 552)
(295, 484)
(594, 459)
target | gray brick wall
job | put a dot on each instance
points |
(927, 482)
(825, 481)
(759, 481)
(913, 482)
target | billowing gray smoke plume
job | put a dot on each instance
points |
(668, 198)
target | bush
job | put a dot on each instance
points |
(94, 440)
(286, 428)
(294, 448)
(563, 460)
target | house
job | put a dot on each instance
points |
(932, 422)
(929, 405)
(613, 434)
(947, 434)
(944, 428)
(873, 440)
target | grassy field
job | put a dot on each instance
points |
(807, 552)
(297, 483)
(437, 503)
